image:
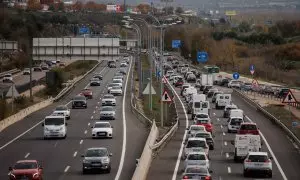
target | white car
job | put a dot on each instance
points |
(194, 129)
(111, 85)
(116, 91)
(108, 100)
(197, 158)
(8, 78)
(234, 124)
(194, 142)
(123, 64)
(63, 110)
(258, 161)
(102, 129)
(234, 84)
(26, 71)
(118, 81)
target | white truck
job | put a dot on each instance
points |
(206, 79)
(244, 144)
(222, 100)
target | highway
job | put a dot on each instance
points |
(169, 165)
(61, 158)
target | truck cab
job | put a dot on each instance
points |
(55, 126)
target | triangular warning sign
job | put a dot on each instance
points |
(147, 90)
(166, 97)
(289, 98)
(255, 83)
(164, 80)
(12, 92)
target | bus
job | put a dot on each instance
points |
(214, 70)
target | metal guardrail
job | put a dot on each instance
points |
(269, 115)
(12, 71)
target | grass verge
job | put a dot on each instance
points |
(285, 116)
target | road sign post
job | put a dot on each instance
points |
(202, 56)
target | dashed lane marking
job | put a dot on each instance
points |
(229, 169)
(26, 156)
(75, 154)
(81, 141)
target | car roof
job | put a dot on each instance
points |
(195, 125)
(198, 152)
(55, 116)
(95, 148)
(102, 122)
(248, 123)
(258, 153)
(27, 160)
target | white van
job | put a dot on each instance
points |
(244, 144)
(200, 107)
(190, 93)
(195, 143)
(236, 113)
(55, 127)
(222, 100)
(187, 90)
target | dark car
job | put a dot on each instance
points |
(26, 169)
(211, 92)
(179, 82)
(246, 87)
(37, 69)
(206, 89)
(98, 75)
(79, 101)
(282, 92)
(224, 82)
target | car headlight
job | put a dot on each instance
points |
(35, 175)
(86, 161)
(105, 160)
(60, 129)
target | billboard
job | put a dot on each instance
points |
(230, 13)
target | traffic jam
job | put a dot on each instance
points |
(205, 100)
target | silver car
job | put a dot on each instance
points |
(107, 112)
(108, 100)
(96, 159)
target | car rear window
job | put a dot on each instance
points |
(25, 165)
(258, 158)
(202, 116)
(200, 170)
(248, 127)
(197, 105)
(196, 157)
(195, 143)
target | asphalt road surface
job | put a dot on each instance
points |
(61, 158)
(169, 165)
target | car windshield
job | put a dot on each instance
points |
(112, 85)
(96, 153)
(79, 98)
(117, 81)
(197, 128)
(202, 135)
(26, 165)
(258, 158)
(195, 143)
(108, 96)
(116, 87)
(61, 108)
(107, 108)
(94, 79)
(200, 170)
(196, 157)
(202, 115)
(248, 127)
(54, 121)
(236, 121)
(102, 125)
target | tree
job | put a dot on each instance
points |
(179, 10)
(244, 27)
(34, 5)
(144, 8)
(51, 7)
(61, 6)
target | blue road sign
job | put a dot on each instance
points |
(176, 43)
(84, 30)
(202, 56)
(236, 75)
(295, 124)
(158, 74)
(252, 69)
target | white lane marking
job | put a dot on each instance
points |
(75, 154)
(89, 124)
(214, 114)
(184, 136)
(225, 143)
(120, 168)
(22, 134)
(55, 143)
(85, 132)
(92, 117)
(224, 134)
(94, 112)
(81, 141)
(98, 102)
(218, 119)
(227, 155)
(229, 169)
(221, 126)
(26, 156)
(272, 153)
(96, 107)
(66, 169)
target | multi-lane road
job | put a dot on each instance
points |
(61, 159)
(169, 165)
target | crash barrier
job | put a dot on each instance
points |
(145, 160)
(27, 111)
(23, 113)
(12, 71)
(268, 115)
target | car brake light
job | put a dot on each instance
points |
(207, 178)
(248, 160)
(185, 177)
(267, 161)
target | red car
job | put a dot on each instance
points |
(206, 123)
(88, 93)
(26, 169)
(248, 128)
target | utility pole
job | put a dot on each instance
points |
(162, 74)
